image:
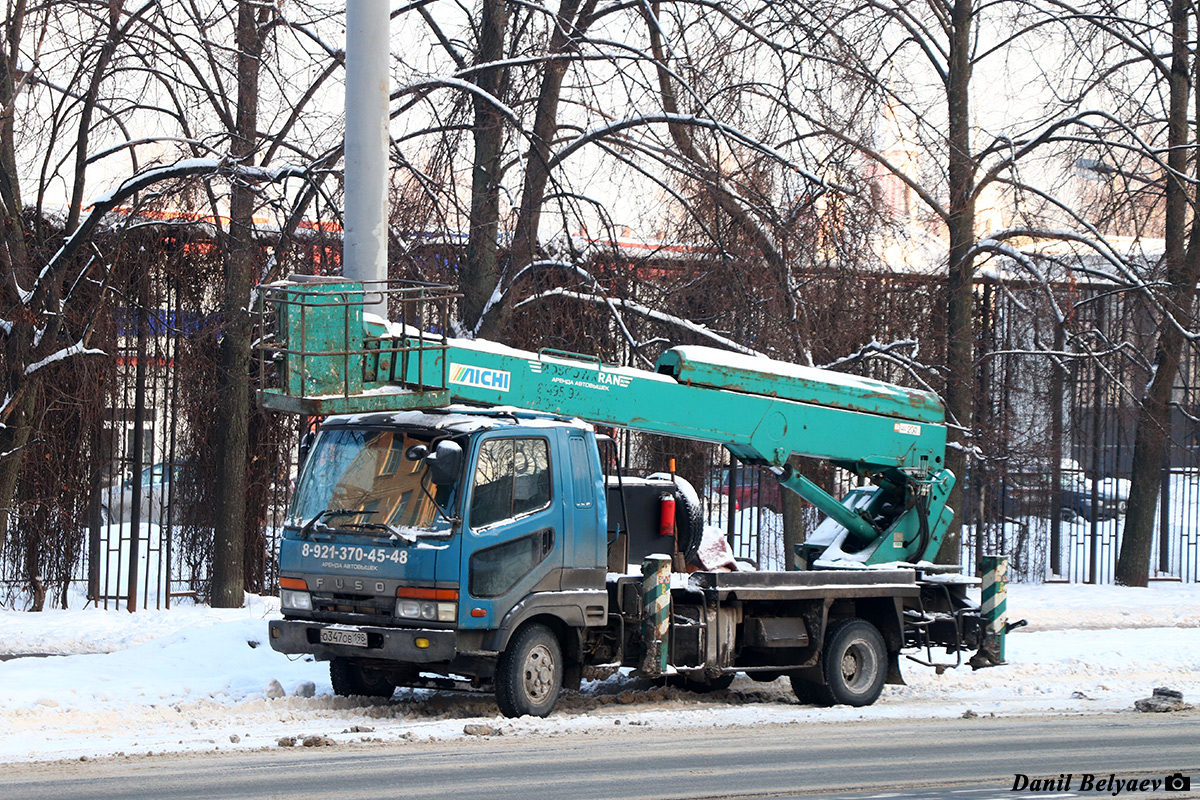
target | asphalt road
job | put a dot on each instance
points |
(968, 759)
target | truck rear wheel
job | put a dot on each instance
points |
(529, 673)
(351, 680)
(855, 663)
(809, 693)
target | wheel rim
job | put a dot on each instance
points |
(539, 673)
(859, 666)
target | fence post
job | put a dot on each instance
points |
(993, 598)
(656, 612)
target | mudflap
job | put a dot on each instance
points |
(989, 651)
(988, 654)
(894, 678)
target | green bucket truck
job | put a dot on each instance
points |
(454, 523)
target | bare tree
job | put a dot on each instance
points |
(228, 577)
(1182, 258)
(258, 133)
(49, 50)
(81, 86)
(1142, 61)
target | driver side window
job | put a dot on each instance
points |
(512, 478)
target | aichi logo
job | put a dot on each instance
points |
(466, 375)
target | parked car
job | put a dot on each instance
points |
(1029, 494)
(1112, 498)
(116, 500)
(751, 488)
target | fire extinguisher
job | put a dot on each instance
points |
(666, 514)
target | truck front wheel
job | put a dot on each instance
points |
(353, 680)
(855, 663)
(529, 673)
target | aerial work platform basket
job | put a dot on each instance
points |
(322, 351)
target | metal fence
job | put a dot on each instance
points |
(1056, 429)
(150, 521)
(131, 527)
(1054, 426)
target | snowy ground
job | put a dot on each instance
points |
(197, 679)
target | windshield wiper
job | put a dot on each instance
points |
(319, 519)
(437, 506)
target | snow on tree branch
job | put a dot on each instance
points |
(645, 311)
(186, 168)
(77, 349)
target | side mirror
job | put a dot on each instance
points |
(416, 452)
(306, 444)
(445, 462)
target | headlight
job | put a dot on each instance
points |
(427, 609)
(299, 601)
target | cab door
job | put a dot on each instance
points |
(513, 527)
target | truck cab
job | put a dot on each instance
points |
(419, 542)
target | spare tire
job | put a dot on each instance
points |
(689, 521)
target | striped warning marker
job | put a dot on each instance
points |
(656, 612)
(994, 597)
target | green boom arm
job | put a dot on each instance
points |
(760, 409)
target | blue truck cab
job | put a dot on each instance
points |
(419, 542)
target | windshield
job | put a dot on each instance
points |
(360, 480)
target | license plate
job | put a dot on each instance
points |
(336, 636)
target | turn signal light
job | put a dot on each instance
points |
(293, 583)
(425, 593)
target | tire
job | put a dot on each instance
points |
(690, 521)
(809, 693)
(704, 685)
(855, 663)
(764, 677)
(529, 673)
(351, 680)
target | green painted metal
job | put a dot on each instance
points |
(321, 320)
(328, 364)
(758, 429)
(324, 406)
(885, 523)
(704, 366)
(847, 518)
(762, 410)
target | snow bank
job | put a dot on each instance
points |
(204, 679)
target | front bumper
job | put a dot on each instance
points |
(394, 644)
